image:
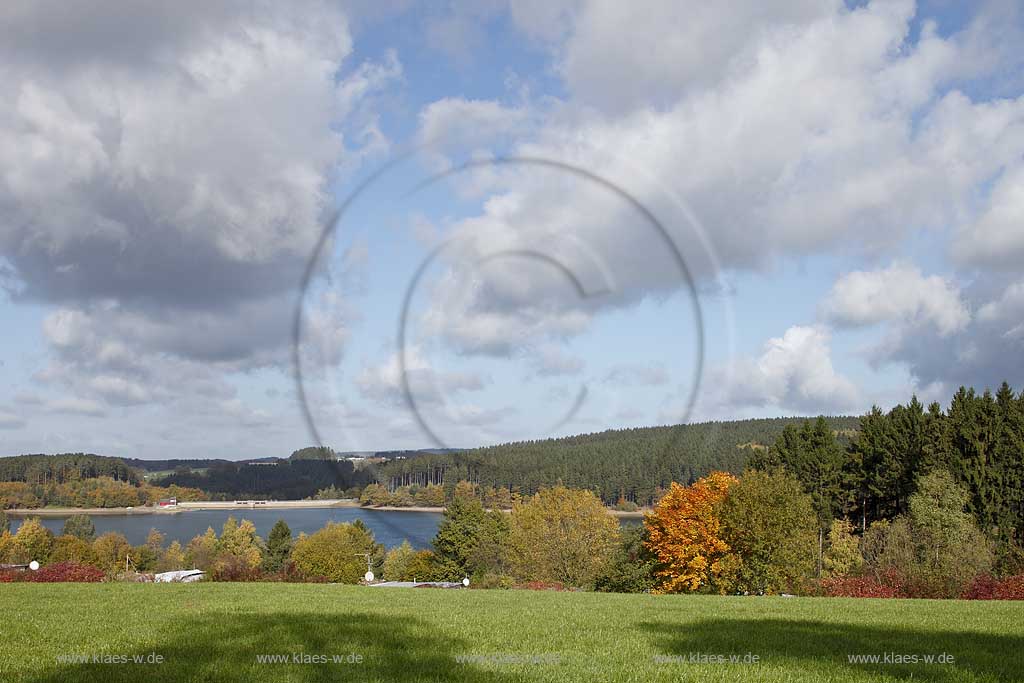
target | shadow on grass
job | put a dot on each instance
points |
(225, 648)
(825, 647)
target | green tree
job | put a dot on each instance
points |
(337, 552)
(80, 526)
(238, 543)
(5, 524)
(397, 561)
(72, 549)
(631, 567)
(561, 535)
(201, 552)
(843, 556)
(279, 547)
(813, 456)
(770, 526)
(33, 541)
(461, 531)
(951, 548)
(171, 559)
(110, 550)
(423, 567)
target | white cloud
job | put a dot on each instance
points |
(794, 373)
(468, 122)
(824, 130)
(996, 238)
(76, 406)
(900, 294)
(383, 382)
(616, 57)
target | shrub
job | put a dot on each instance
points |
(72, 549)
(631, 567)
(502, 581)
(110, 550)
(61, 572)
(987, 587)
(334, 552)
(888, 585)
(67, 572)
(396, 562)
(541, 586)
(235, 568)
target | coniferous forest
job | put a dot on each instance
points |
(635, 465)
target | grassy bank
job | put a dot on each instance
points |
(216, 631)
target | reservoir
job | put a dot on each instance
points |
(389, 527)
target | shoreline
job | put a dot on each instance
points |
(231, 505)
(184, 506)
(637, 514)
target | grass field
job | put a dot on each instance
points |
(214, 632)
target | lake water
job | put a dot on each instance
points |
(390, 527)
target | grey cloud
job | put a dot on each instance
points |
(165, 176)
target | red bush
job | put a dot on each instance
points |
(61, 572)
(236, 569)
(986, 587)
(68, 572)
(889, 585)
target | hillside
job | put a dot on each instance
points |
(622, 463)
(64, 467)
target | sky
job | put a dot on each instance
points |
(249, 227)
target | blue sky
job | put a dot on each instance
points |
(844, 183)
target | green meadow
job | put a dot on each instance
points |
(234, 632)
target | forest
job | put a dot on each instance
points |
(286, 480)
(63, 468)
(978, 440)
(634, 465)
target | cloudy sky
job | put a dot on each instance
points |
(555, 217)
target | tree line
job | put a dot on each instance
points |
(285, 480)
(64, 467)
(624, 465)
(978, 440)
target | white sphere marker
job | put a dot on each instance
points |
(368, 576)
(33, 565)
(465, 582)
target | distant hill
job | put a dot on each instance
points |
(621, 463)
(175, 463)
(63, 467)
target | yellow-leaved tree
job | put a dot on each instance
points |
(560, 534)
(685, 534)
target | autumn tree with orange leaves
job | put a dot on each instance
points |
(685, 534)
